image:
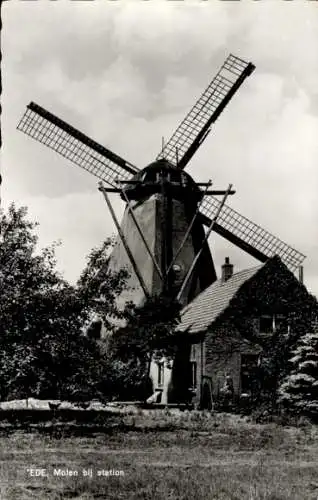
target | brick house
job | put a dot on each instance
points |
(223, 330)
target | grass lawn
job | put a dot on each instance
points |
(201, 457)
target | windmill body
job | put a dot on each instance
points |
(164, 200)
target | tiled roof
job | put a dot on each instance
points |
(208, 305)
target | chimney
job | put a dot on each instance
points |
(227, 270)
(301, 274)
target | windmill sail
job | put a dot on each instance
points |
(247, 235)
(196, 125)
(73, 145)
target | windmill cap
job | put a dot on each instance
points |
(163, 164)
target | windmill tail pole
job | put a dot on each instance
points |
(189, 228)
(196, 258)
(123, 240)
(131, 211)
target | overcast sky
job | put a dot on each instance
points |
(127, 73)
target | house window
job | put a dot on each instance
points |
(266, 324)
(270, 324)
(193, 366)
(160, 373)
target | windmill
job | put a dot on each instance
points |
(162, 239)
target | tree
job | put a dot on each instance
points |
(99, 286)
(149, 332)
(43, 351)
(299, 390)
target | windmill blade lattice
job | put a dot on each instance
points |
(196, 125)
(248, 235)
(73, 145)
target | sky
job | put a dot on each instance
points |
(126, 73)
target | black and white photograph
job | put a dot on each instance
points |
(159, 250)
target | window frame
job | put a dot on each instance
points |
(276, 320)
(161, 373)
(194, 374)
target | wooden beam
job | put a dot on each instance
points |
(131, 211)
(219, 192)
(196, 258)
(124, 242)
